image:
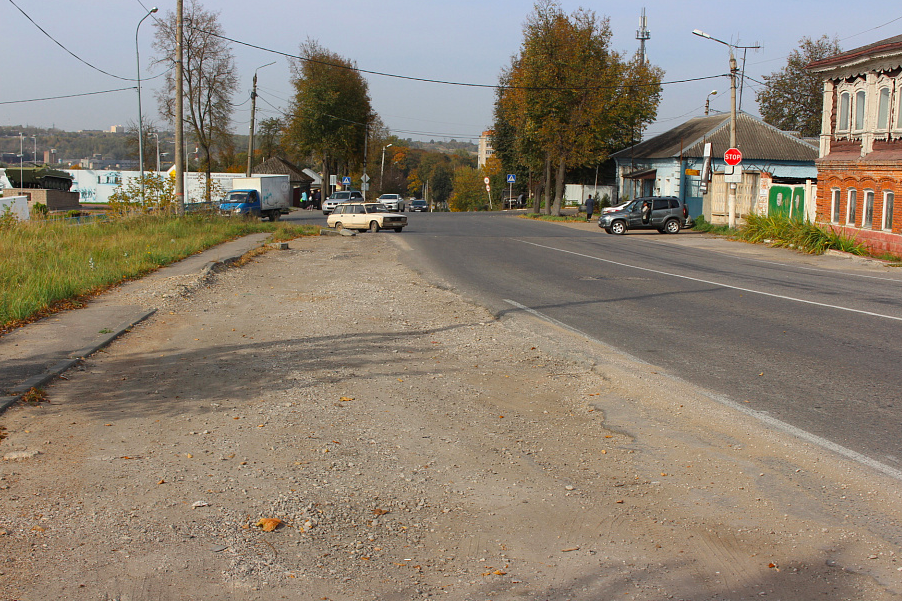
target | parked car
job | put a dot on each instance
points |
(616, 207)
(337, 197)
(363, 216)
(667, 214)
(418, 205)
(394, 202)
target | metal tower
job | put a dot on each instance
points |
(642, 34)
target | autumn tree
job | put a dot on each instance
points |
(331, 110)
(792, 98)
(210, 79)
(268, 136)
(567, 100)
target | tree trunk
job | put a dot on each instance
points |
(559, 187)
(547, 185)
(325, 190)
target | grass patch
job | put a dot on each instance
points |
(542, 217)
(801, 235)
(50, 265)
(701, 225)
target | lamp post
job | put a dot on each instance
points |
(250, 140)
(140, 118)
(708, 100)
(34, 157)
(731, 198)
(21, 158)
(382, 168)
(156, 135)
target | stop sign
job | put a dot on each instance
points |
(732, 156)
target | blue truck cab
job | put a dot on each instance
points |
(241, 202)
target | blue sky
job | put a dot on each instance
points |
(462, 41)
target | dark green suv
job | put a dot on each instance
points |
(667, 214)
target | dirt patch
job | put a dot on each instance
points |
(411, 447)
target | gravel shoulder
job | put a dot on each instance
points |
(412, 446)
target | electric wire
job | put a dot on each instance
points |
(58, 43)
(67, 96)
(451, 83)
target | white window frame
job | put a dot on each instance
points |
(867, 210)
(860, 111)
(835, 198)
(844, 112)
(889, 200)
(881, 89)
(850, 212)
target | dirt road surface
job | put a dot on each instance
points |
(412, 447)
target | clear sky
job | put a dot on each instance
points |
(461, 41)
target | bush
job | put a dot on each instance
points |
(39, 210)
(808, 237)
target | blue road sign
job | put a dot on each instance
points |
(512, 178)
(346, 181)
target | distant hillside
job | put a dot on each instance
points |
(448, 147)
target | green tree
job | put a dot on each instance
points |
(159, 194)
(792, 98)
(267, 139)
(210, 79)
(469, 190)
(567, 100)
(331, 110)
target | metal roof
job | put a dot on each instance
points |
(890, 47)
(755, 139)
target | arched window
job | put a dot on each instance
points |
(844, 112)
(860, 106)
(883, 109)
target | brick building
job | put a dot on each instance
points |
(860, 164)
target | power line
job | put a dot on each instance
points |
(449, 83)
(58, 43)
(66, 96)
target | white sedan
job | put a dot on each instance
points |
(363, 216)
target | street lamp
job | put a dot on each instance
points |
(157, 136)
(382, 169)
(140, 118)
(35, 155)
(708, 100)
(21, 158)
(731, 201)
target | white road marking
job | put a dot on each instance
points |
(720, 284)
(761, 416)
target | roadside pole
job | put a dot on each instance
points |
(731, 198)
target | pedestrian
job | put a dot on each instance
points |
(316, 199)
(304, 201)
(646, 211)
(590, 206)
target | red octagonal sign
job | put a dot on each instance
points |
(732, 156)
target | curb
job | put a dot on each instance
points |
(76, 357)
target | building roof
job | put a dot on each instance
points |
(279, 166)
(888, 49)
(755, 139)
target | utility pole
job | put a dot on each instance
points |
(731, 198)
(364, 179)
(250, 141)
(642, 35)
(179, 119)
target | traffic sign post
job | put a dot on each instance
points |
(732, 157)
(346, 181)
(511, 179)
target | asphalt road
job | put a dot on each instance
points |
(813, 342)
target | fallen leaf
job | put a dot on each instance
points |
(346, 398)
(499, 573)
(620, 501)
(38, 529)
(269, 524)
(161, 481)
(378, 511)
(189, 455)
(570, 549)
(604, 452)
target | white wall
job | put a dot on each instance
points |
(96, 186)
(17, 204)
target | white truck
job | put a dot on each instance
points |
(258, 196)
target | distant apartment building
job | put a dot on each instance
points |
(485, 147)
(117, 129)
